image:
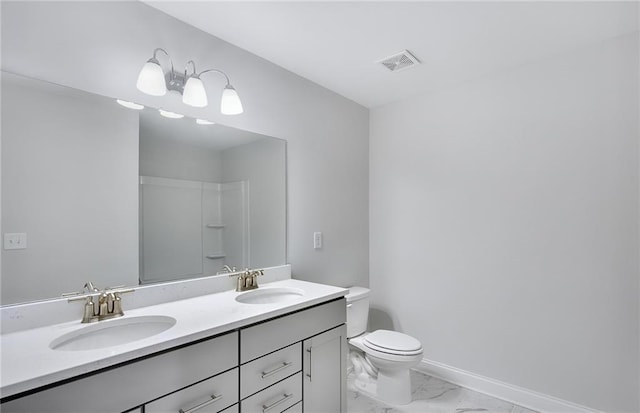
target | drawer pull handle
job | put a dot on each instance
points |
(266, 408)
(269, 373)
(310, 362)
(213, 399)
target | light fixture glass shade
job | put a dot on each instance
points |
(151, 79)
(194, 93)
(130, 105)
(170, 115)
(230, 104)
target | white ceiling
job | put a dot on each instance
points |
(336, 44)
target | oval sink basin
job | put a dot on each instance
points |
(112, 333)
(270, 295)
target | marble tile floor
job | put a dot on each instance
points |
(430, 395)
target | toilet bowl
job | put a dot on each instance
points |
(391, 354)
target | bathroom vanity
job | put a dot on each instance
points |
(225, 352)
(182, 346)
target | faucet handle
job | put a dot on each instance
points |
(73, 294)
(120, 289)
(78, 296)
(88, 289)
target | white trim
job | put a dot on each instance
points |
(501, 390)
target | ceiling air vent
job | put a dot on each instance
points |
(399, 61)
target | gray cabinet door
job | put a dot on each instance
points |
(324, 367)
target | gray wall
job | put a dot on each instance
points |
(101, 46)
(69, 182)
(507, 207)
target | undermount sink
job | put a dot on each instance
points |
(270, 295)
(112, 333)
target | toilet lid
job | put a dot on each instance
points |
(392, 342)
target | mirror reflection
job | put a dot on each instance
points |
(92, 190)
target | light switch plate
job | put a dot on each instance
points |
(317, 240)
(15, 241)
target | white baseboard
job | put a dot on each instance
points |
(505, 391)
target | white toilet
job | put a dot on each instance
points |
(391, 354)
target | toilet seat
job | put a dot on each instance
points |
(392, 342)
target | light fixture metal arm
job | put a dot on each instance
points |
(195, 72)
(159, 49)
(215, 71)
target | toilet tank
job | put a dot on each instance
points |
(357, 311)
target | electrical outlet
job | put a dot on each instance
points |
(15, 241)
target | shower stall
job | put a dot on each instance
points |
(192, 228)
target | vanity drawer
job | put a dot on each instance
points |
(214, 395)
(135, 383)
(270, 369)
(275, 399)
(275, 334)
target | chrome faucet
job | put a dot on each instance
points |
(247, 279)
(109, 303)
(227, 269)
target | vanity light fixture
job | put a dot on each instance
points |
(130, 105)
(204, 122)
(170, 115)
(152, 80)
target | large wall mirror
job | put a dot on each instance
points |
(118, 196)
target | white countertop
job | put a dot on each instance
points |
(28, 362)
